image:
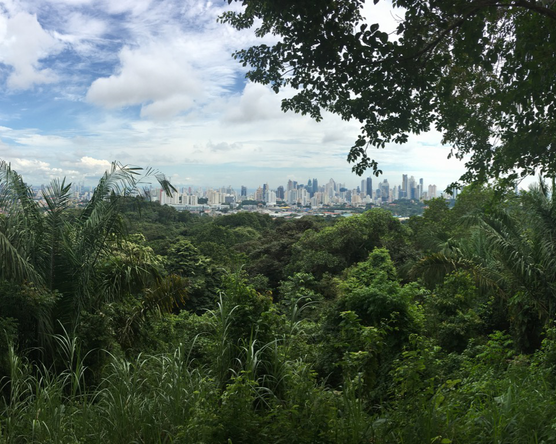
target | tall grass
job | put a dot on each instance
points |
(249, 391)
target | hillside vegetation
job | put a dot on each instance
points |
(126, 321)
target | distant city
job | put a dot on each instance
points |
(313, 194)
(294, 198)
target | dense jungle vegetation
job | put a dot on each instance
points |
(126, 321)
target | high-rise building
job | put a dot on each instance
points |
(243, 191)
(270, 197)
(385, 190)
(280, 192)
(315, 186)
(432, 192)
(369, 189)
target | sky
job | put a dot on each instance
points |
(153, 83)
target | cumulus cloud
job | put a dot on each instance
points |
(23, 44)
(151, 76)
(135, 7)
(36, 170)
(331, 137)
(256, 103)
(94, 166)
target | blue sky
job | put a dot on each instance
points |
(153, 83)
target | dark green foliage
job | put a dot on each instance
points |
(406, 207)
(348, 241)
(369, 323)
(251, 315)
(300, 292)
(26, 314)
(185, 260)
(453, 312)
(257, 221)
(274, 250)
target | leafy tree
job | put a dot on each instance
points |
(270, 254)
(481, 72)
(452, 312)
(372, 319)
(256, 221)
(348, 241)
(522, 243)
(186, 260)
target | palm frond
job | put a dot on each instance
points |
(15, 266)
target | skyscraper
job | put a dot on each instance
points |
(315, 186)
(369, 187)
(385, 190)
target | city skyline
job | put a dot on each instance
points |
(252, 188)
(312, 194)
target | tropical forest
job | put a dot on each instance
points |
(126, 321)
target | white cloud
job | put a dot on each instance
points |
(38, 140)
(155, 76)
(93, 166)
(256, 103)
(135, 7)
(36, 171)
(79, 27)
(71, 2)
(23, 44)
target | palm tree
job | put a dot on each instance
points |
(20, 225)
(47, 245)
(511, 249)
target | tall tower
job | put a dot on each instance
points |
(405, 187)
(315, 186)
(369, 187)
(385, 190)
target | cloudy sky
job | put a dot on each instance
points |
(152, 83)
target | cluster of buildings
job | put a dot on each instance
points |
(311, 194)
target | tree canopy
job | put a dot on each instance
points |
(482, 72)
